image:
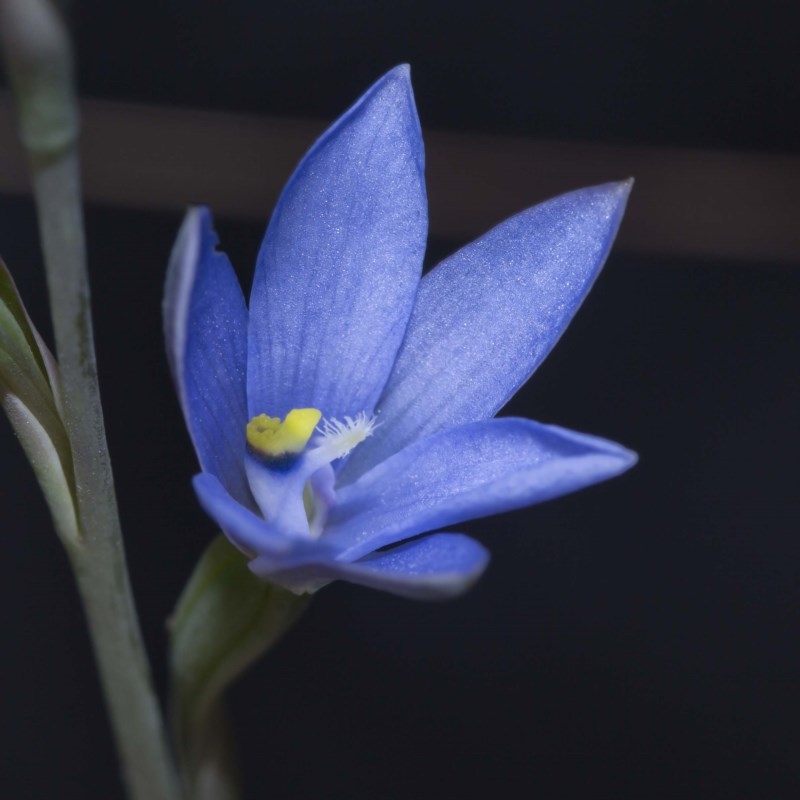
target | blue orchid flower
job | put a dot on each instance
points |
(350, 409)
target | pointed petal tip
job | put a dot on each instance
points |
(193, 218)
(394, 88)
(621, 191)
(200, 220)
(625, 459)
(597, 443)
(401, 71)
(624, 188)
(614, 193)
(397, 79)
(609, 201)
(615, 190)
(397, 84)
(631, 457)
(616, 457)
(399, 76)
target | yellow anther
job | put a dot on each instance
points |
(271, 437)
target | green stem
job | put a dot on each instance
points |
(38, 54)
(98, 558)
(225, 620)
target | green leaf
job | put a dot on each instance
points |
(225, 619)
(30, 396)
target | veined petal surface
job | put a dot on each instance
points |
(340, 263)
(467, 472)
(486, 317)
(205, 321)
(434, 567)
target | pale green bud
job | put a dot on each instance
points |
(38, 57)
(30, 396)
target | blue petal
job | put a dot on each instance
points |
(462, 473)
(340, 262)
(249, 532)
(486, 317)
(205, 322)
(435, 567)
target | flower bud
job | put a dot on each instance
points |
(38, 58)
(30, 396)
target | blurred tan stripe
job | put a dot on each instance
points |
(728, 205)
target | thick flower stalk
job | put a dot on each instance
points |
(351, 407)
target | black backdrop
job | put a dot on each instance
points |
(635, 641)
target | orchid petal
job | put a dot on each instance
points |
(340, 263)
(467, 472)
(205, 321)
(249, 532)
(486, 317)
(439, 566)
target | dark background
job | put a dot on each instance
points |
(638, 640)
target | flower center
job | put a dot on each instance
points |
(290, 468)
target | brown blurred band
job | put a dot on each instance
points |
(740, 206)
